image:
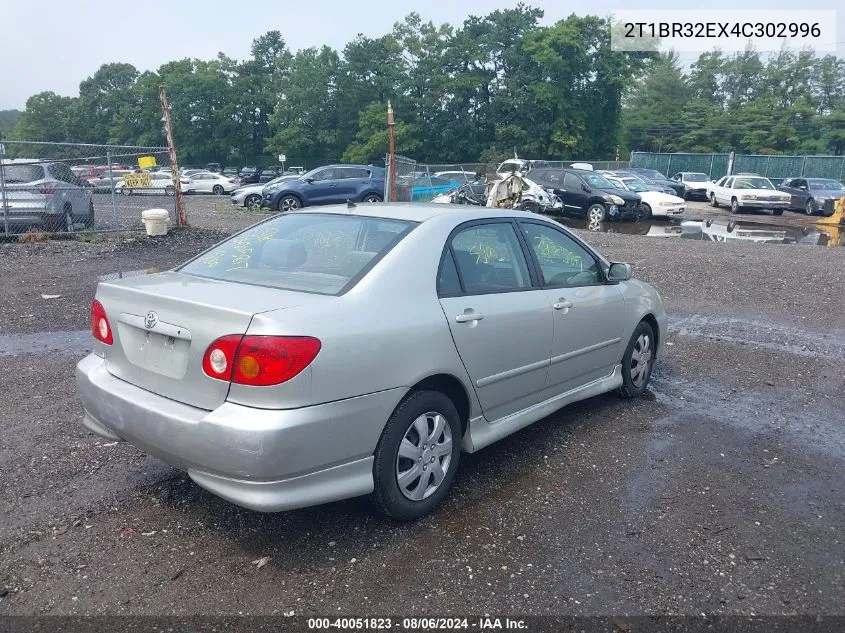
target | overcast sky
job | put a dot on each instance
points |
(53, 44)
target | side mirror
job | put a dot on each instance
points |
(309, 180)
(619, 272)
(585, 188)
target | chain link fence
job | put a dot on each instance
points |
(716, 165)
(74, 188)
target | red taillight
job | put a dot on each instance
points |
(48, 189)
(259, 361)
(100, 327)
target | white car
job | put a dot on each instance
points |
(209, 182)
(655, 203)
(160, 182)
(747, 192)
(518, 192)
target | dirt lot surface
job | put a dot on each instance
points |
(721, 491)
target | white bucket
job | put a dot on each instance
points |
(155, 221)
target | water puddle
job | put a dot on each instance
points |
(717, 230)
(77, 343)
(126, 274)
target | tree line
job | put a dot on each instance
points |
(477, 92)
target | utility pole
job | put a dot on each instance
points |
(391, 151)
(171, 151)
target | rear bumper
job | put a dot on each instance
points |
(266, 460)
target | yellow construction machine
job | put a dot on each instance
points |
(834, 225)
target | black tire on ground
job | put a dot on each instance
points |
(713, 202)
(735, 205)
(387, 495)
(170, 190)
(810, 209)
(777, 211)
(252, 201)
(217, 190)
(289, 203)
(531, 207)
(372, 197)
(596, 212)
(125, 191)
(633, 383)
(644, 212)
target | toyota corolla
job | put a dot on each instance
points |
(359, 350)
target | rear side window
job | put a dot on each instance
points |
(352, 172)
(321, 253)
(22, 173)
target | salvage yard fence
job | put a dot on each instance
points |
(79, 188)
(715, 165)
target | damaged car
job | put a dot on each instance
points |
(587, 193)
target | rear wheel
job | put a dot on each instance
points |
(596, 213)
(529, 206)
(417, 456)
(217, 190)
(637, 361)
(372, 197)
(811, 208)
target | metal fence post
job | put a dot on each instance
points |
(803, 166)
(113, 198)
(669, 167)
(3, 191)
(710, 173)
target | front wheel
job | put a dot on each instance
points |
(372, 197)
(644, 212)
(417, 456)
(713, 202)
(253, 201)
(810, 209)
(596, 213)
(734, 205)
(170, 190)
(777, 211)
(125, 191)
(217, 190)
(531, 207)
(637, 361)
(289, 203)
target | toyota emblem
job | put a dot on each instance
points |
(150, 320)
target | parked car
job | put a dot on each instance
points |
(160, 183)
(208, 182)
(326, 354)
(459, 177)
(251, 195)
(588, 193)
(106, 182)
(519, 192)
(519, 165)
(192, 171)
(812, 195)
(652, 186)
(213, 167)
(655, 177)
(695, 184)
(331, 184)
(44, 195)
(654, 203)
(747, 192)
(231, 172)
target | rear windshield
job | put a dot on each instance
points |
(696, 178)
(823, 183)
(23, 173)
(309, 252)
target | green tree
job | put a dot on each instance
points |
(47, 117)
(371, 141)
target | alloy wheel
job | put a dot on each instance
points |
(641, 360)
(424, 456)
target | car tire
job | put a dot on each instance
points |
(372, 197)
(252, 201)
(531, 207)
(811, 208)
(713, 202)
(735, 205)
(217, 190)
(777, 211)
(644, 212)
(170, 190)
(126, 191)
(436, 414)
(89, 219)
(596, 213)
(289, 203)
(637, 361)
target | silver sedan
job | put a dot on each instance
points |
(321, 355)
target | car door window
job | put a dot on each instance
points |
(721, 181)
(324, 174)
(563, 262)
(729, 183)
(489, 259)
(571, 181)
(448, 282)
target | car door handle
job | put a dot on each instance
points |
(468, 316)
(562, 304)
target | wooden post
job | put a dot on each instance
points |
(171, 151)
(391, 151)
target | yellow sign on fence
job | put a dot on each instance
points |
(145, 162)
(137, 181)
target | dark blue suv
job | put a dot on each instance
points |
(331, 184)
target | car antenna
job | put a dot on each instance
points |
(350, 204)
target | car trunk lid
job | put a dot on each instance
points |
(163, 324)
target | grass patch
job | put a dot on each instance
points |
(89, 236)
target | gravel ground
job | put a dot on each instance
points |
(721, 491)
